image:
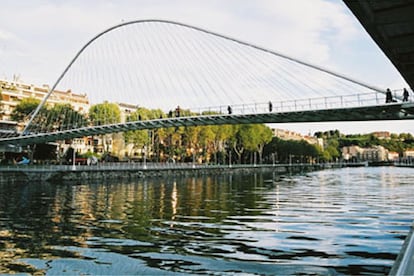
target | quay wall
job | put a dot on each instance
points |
(106, 172)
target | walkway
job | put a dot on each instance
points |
(393, 111)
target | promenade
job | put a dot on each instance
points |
(105, 171)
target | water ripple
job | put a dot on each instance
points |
(348, 221)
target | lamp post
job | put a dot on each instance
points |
(73, 158)
(193, 152)
(145, 157)
(254, 159)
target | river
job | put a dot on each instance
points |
(341, 221)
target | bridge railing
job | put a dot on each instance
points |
(318, 103)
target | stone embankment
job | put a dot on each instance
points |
(125, 171)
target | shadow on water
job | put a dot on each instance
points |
(322, 223)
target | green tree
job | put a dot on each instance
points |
(331, 151)
(236, 140)
(64, 116)
(24, 108)
(254, 137)
(23, 111)
(104, 113)
(291, 150)
(206, 141)
(138, 138)
(221, 139)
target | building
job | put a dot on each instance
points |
(291, 135)
(126, 110)
(351, 153)
(375, 153)
(12, 92)
(408, 154)
(393, 156)
(382, 134)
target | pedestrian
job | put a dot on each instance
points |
(177, 111)
(405, 95)
(388, 96)
(270, 106)
(229, 110)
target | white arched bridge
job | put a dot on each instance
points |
(211, 78)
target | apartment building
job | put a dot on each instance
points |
(374, 153)
(292, 135)
(12, 92)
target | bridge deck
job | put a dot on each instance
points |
(391, 111)
(391, 25)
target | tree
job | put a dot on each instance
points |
(264, 136)
(236, 141)
(206, 141)
(64, 116)
(291, 150)
(221, 137)
(331, 151)
(254, 137)
(24, 108)
(23, 111)
(104, 113)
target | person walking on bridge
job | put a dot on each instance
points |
(177, 111)
(405, 95)
(388, 96)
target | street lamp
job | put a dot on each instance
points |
(193, 152)
(145, 157)
(73, 158)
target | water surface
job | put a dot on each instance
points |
(344, 221)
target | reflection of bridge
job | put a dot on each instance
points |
(189, 64)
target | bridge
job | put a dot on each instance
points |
(391, 25)
(215, 79)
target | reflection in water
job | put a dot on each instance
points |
(347, 221)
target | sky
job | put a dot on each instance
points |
(39, 37)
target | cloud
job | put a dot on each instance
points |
(59, 28)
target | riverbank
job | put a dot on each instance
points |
(35, 173)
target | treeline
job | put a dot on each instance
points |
(395, 142)
(218, 144)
